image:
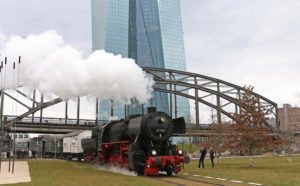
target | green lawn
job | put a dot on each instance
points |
(64, 173)
(267, 171)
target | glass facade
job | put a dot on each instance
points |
(116, 42)
(116, 33)
(148, 31)
(173, 45)
(110, 32)
(145, 44)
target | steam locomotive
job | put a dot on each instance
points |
(140, 143)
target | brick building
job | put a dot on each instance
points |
(289, 118)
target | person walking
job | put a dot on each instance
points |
(202, 157)
(212, 156)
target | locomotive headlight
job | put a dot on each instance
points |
(153, 152)
(180, 152)
(162, 120)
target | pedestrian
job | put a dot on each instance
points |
(29, 154)
(212, 156)
(202, 157)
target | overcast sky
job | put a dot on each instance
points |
(246, 42)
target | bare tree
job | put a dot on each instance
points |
(249, 131)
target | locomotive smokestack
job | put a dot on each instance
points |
(151, 109)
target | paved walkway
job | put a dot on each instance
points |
(21, 173)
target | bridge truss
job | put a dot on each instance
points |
(221, 96)
(217, 94)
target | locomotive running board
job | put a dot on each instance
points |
(179, 126)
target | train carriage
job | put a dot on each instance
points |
(72, 144)
(52, 146)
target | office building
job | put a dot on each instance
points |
(149, 31)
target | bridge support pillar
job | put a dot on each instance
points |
(66, 112)
(78, 110)
(196, 104)
(97, 110)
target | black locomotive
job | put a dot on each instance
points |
(140, 143)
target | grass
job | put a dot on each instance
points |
(63, 173)
(273, 171)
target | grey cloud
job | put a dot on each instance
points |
(70, 18)
(253, 42)
(246, 42)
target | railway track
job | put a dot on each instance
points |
(180, 181)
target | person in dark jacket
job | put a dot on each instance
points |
(202, 157)
(212, 156)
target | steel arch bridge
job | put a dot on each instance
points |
(219, 95)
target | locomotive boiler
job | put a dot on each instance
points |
(140, 143)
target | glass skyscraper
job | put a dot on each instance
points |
(149, 31)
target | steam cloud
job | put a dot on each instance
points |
(118, 170)
(52, 66)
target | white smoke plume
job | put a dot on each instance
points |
(52, 66)
(2, 39)
(118, 170)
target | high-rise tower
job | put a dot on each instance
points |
(149, 31)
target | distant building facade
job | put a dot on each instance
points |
(289, 118)
(149, 32)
